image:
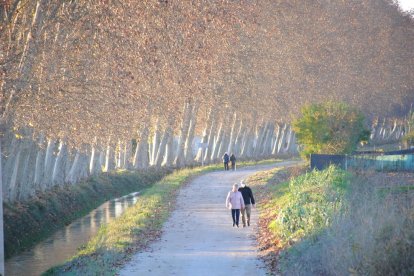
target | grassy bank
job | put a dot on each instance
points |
(334, 223)
(135, 228)
(29, 222)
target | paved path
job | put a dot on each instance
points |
(198, 238)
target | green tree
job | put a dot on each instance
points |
(331, 128)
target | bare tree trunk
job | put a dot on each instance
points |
(141, 159)
(276, 141)
(289, 137)
(127, 156)
(163, 147)
(155, 142)
(11, 153)
(59, 170)
(224, 143)
(267, 142)
(40, 163)
(233, 134)
(239, 139)
(49, 164)
(26, 175)
(217, 143)
(169, 155)
(210, 141)
(259, 141)
(204, 140)
(13, 180)
(94, 167)
(79, 168)
(119, 155)
(185, 124)
(190, 136)
(282, 138)
(250, 144)
(109, 158)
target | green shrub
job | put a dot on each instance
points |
(330, 128)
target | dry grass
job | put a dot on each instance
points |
(372, 235)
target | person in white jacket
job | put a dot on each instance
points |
(235, 202)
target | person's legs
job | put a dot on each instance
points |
(248, 212)
(233, 215)
(232, 166)
(243, 215)
(237, 216)
(226, 166)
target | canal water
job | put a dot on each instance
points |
(64, 243)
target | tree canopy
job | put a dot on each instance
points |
(99, 68)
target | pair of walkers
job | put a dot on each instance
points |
(227, 159)
(240, 200)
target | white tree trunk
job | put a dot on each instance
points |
(259, 140)
(190, 136)
(141, 159)
(267, 142)
(26, 174)
(13, 180)
(109, 158)
(156, 140)
(204, 140)
(185, 124)
(94, 161)
(120, 155)
(49, 163)
(289, 137)
(164, 147)
(276, 141)
(243, 145)
(79, 168)
(233, 134)
(72, 176)
(224, 143)
(282, 138)
(11, 153)
(217, 143)
(239, 139)
(59, 169)
(169, 152)
(127, 156)
(39, 166)
(210, 141)
(250, 144)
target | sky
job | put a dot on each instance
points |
(406, 5)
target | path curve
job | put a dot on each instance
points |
(198, 238)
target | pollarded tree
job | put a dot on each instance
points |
(331, 128)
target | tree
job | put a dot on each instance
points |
(331, 128)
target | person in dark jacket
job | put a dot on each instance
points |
(248, 203)
(226, 160)
(233, 161)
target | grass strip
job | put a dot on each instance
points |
(294, 204)
(135, 228)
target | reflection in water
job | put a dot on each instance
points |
(65, 242)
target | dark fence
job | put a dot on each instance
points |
(402, 160)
